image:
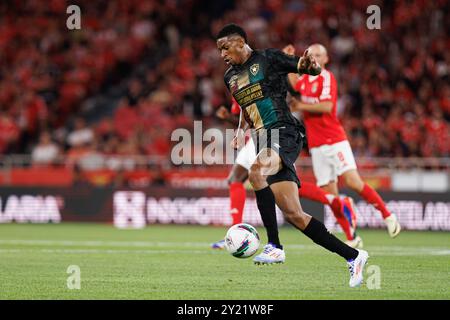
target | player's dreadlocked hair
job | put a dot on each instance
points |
(230, 29)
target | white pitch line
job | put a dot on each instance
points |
(108, 251)
(99, 243)
(296, 249)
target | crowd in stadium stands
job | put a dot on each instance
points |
(393, 83)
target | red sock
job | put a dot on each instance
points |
(312, 192)
(237, 201)
(372, 197)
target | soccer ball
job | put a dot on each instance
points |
(242, 240)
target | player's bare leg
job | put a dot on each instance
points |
(237, 174)
(287, 200)
(331, 187)
(353, 181)
(264, 165)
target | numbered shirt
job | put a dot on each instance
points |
(321, 128)
(259, 86)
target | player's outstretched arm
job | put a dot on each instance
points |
(292, 77)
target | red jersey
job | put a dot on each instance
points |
(321, 128)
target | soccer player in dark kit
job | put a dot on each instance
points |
(256, 79)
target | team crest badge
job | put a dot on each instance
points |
(254, 69)
(314, 87)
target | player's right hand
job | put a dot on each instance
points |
(222, 113)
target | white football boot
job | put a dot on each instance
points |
(393, 225)
(270, 255)
(218, 245)
(356, 268)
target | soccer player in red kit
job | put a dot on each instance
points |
(331, 154)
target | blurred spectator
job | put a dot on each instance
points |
(45, 152)
(157, 63)
(91, 158)
(9, 132)
(81, 134)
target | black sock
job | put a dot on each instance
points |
(317, 232)
(266, 205)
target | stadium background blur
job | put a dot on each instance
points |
(97, 106)
(86, 118)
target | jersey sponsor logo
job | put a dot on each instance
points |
(314, 87)
(249, 95)
(254, 69)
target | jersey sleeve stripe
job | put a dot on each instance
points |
(326, 89)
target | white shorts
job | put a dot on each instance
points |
(247, 155)
(331, 161)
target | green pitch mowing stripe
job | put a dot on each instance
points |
(175, 262)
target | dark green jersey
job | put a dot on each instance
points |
(259, 87)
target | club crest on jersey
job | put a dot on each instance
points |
(254, 69)
(314, 87)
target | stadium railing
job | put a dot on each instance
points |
(131, 161)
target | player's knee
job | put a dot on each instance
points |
(255, 176)
(232, 179)
(237, 174)
(353, 183)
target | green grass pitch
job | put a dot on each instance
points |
(175, 262)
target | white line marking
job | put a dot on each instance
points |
(292, 248)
